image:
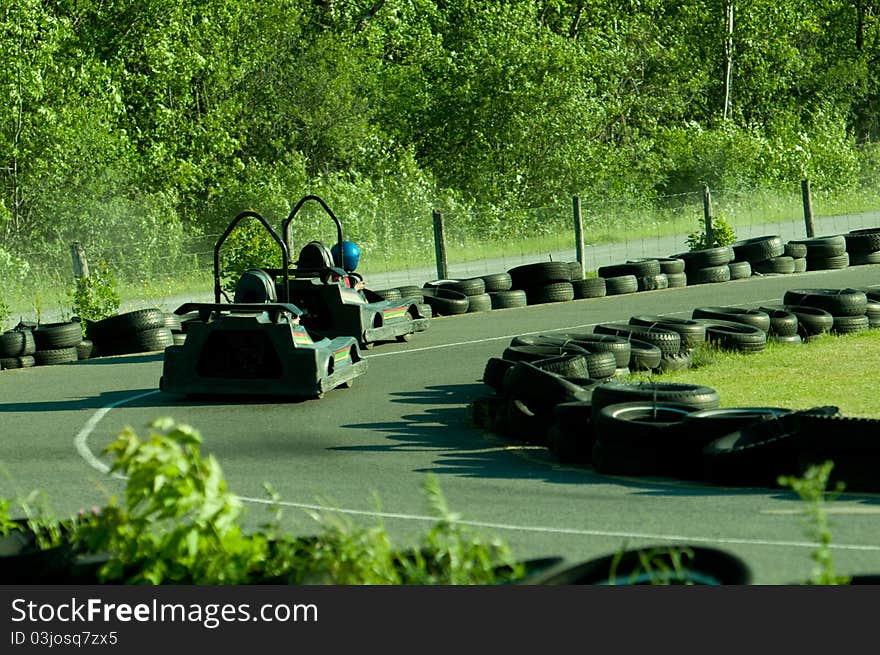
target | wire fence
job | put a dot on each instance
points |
(398, 250)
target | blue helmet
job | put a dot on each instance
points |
(348, 258)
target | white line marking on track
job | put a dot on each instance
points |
(82, 437)
(519, 334)
(82, 447)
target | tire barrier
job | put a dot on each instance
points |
(546, 393)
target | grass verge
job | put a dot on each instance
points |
(838, 370)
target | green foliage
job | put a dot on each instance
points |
(248, 246)
(722, 234)
(179, 523)
(95, 297)
(811, 489)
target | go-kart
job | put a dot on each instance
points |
(257, 348)
(332, 307)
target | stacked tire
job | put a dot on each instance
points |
(17, 348)
(825, 253)
(863, 246)
(142, 330)
(848, 307)
(543, 282)
(647, 273)
(707, 265)
(57, 343)
(764, 255)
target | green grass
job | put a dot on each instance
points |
(833, 370)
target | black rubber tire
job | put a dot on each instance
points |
(799, 265)
(411, 291)
(644, 356)
(827, 263)
(782, 322)
(446, 302)
(25, 361)
(706, 258)
(677, 362)
(548, 293)
(521, 352)
(758, 249)
(494, 371)
(497, 282)
(795, 250)
(652, 282)
(590, 287)
(782, 265)
(615, 286)
(837, 302)
(676, 280)
(17, 343)
(862, 241)
(531, 275)
(675, 393)
(389, 294)
(638, 268)
(474, 286)
(708, 274)
(52, 336)
(154, 340)
(638, 422)
(568, 365)
(740, 270)
(53, 356)
(85, 349)
(508, 299)
(753, 317)
(479, 303)
(739, 337)
(812, 321)
(667, 564)
(668, 341)
(788, 339)
(850, 324)
(822, 247)
(755, 455)
(691, 333)
(872, 311)
(864, 258)
(671, 265)
(484, 409)
(618, 346)
(576, 271)
(122, 325)
(570, 437)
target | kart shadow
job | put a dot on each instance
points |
(444, 425)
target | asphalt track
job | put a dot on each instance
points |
(366, 451)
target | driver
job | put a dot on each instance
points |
(347, 259)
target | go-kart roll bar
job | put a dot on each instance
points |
(285, 255)
(286, 225)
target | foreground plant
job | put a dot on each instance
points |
(179, 523)
(811, 488)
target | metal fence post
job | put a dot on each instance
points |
(440, 246)
(80, 264)
(579, 233)
(808, 207)
(707, 215)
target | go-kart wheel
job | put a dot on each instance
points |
(405, 337)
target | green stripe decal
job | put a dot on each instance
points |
(397, 312)
(340, 354)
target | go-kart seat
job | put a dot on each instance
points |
(314, 260)
(255, 285)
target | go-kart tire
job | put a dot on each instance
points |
(753, 317)
(676, 393)
(481, 302)
(122, 325)
(690, 332)
(644, 356)
(539, 274)
(740, 270)
(497, 282)
(708, 274)
(837, 302)
(667, 340)
(549, 293)
(758, 249)
(446, 302)
(782, 265)
(782, 322)
(622, 284)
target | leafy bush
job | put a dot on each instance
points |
(95, 297)
(179, 523)
(722, 234)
